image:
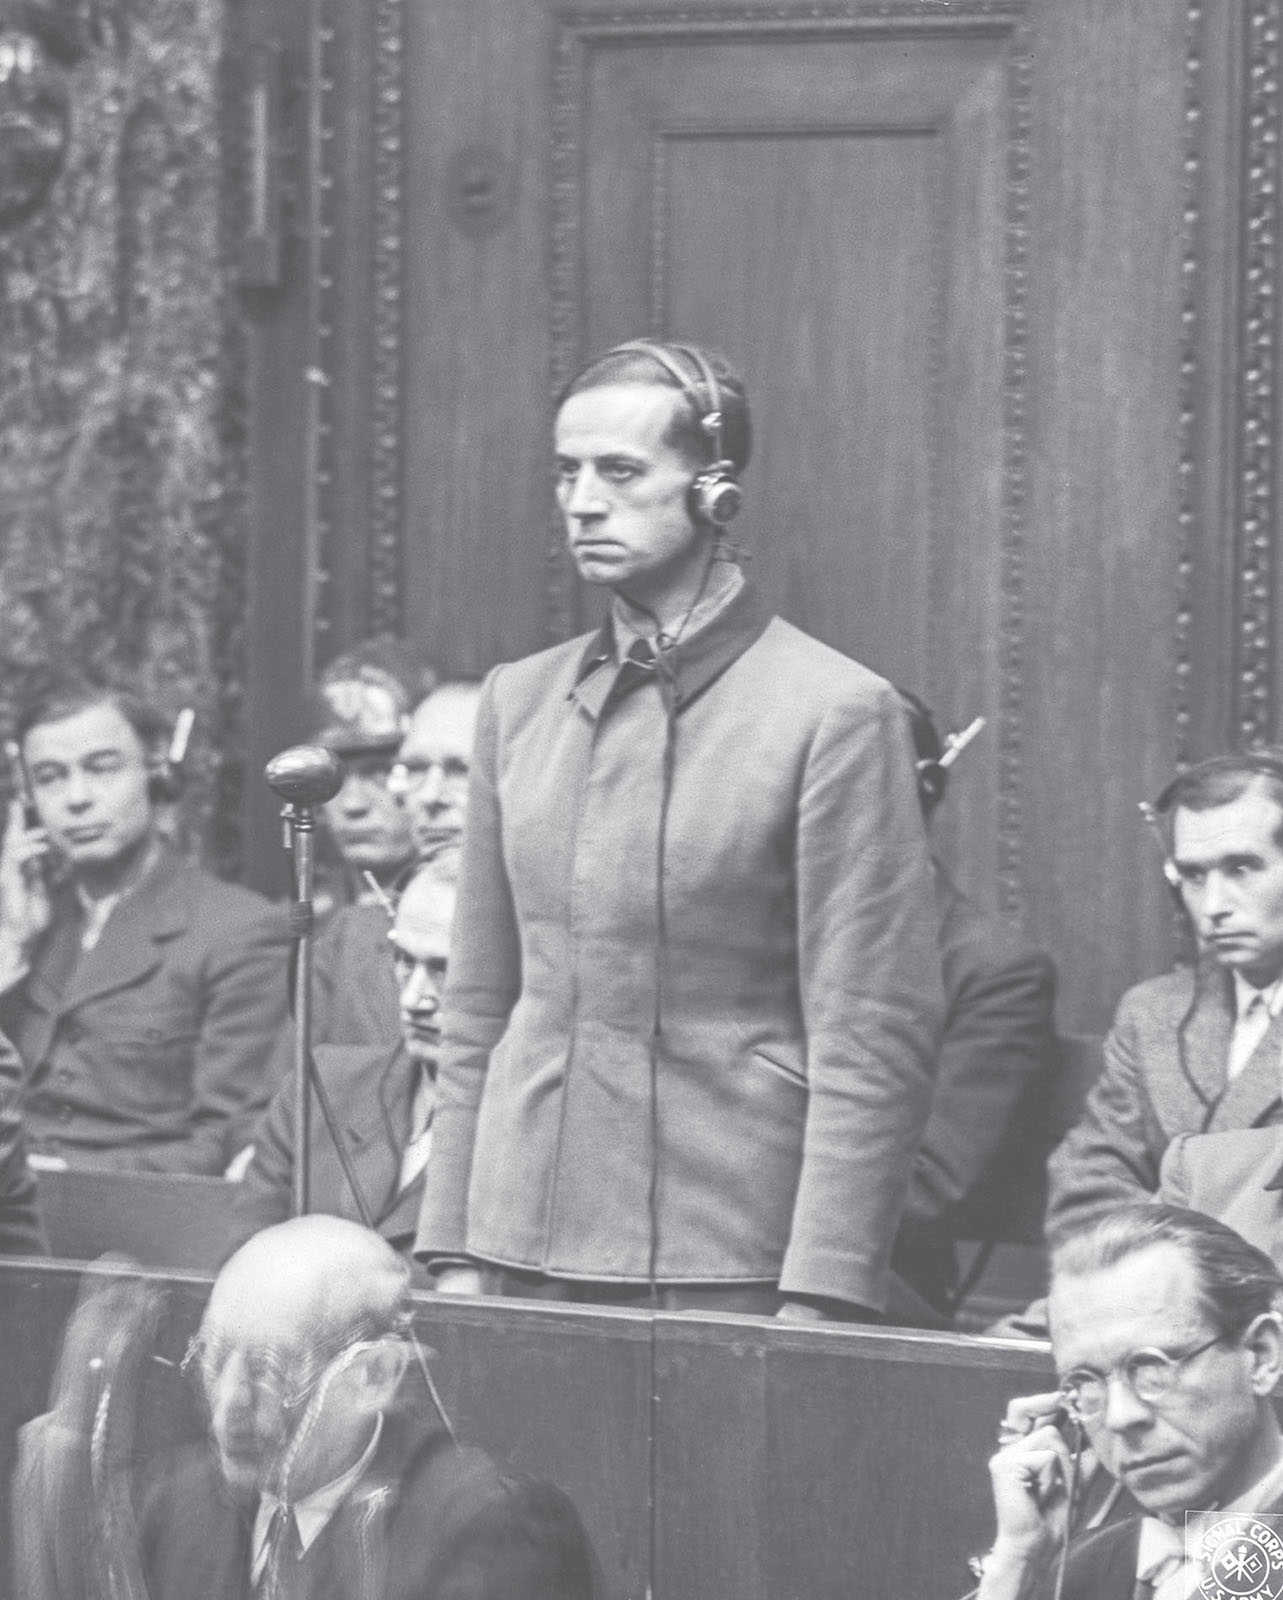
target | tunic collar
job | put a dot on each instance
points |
(697, 660)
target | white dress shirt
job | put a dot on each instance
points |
(312, 1512)
(1254, 1010)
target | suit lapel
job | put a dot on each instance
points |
(43, 991)
(374, 1128)
(1203, 1038)
(129, 949)
(1254, 1096)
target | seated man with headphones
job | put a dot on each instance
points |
(695, 998)
(143, 995)
(1199, 1049)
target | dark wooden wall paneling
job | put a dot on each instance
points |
(791, 1464)
(1016, 377)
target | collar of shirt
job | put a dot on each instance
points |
(98, 910)
(1162, 1544)
(1245, 993)
(419, 1145)
(725, 580)
(314, 1510)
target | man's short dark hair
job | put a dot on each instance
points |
(1236, 1281)
(624, 365)
(1223, 779)
(68, 697)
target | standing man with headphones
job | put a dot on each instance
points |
(143, 995)
(695, 988)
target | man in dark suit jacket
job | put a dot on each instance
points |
(329, 1473)
(1168, 1343)
(997, 1048)
(382, 1099)
(21, 1233)
(144, 996)
(1199, 1049)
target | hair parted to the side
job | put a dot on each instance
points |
(65, 697)
(1236, 1281)
(1223, 779)
(626, 364)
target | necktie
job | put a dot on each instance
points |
(1249, 1030)
(284, 1550)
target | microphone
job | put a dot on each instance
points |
(305, 774)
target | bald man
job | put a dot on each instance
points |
(330, 1476)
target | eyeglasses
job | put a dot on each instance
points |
(407, 776)
(1149, 1373)
(289, 1380)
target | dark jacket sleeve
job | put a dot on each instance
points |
(21, 1233)
(1112, 1154)
(998, 1040)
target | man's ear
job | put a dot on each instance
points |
(383, 1364)
(1264, 1339)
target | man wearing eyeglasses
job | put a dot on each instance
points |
(430, 775)
(1167, 1338)
(333, 1472)
(427, 784)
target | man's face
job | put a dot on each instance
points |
(262, 1378)
(420, 939)
(431, 775)
(622, 487)
(89, 776)
(1231, 876)
(1198, 1446)
(370, 829)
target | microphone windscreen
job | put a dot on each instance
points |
(305, 774)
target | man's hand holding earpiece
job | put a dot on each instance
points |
(1030, 1478)
(25, 911)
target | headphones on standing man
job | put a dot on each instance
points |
(715, 496)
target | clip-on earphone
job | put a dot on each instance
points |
(715, 495)
(166, 780)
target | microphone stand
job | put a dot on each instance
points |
(305, 777)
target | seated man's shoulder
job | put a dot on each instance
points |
(354, 929)
(221, 907)
(976, 942)
(1157, 1002)
(1221, 1162)
(519, 1535)
(354, 1065)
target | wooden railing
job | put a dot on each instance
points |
(789, 1462)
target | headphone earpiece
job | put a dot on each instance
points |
(933, 780)
(715, 495)
(167, 777)
(164, 785)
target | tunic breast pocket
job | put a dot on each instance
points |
(147, 1055)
